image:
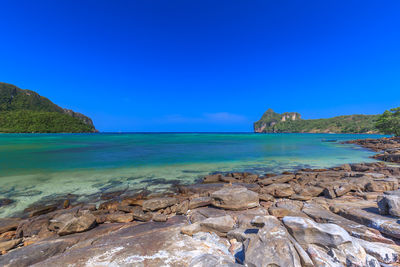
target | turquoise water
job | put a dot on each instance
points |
(38, 166)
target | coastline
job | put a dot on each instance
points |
(221, 210)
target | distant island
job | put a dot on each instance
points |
(25, 111)
(291, 122)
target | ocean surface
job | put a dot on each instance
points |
(44, 167)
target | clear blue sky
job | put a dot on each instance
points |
(203, 65)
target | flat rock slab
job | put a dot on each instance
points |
(235, 198)
(148, 244)
(322, 215)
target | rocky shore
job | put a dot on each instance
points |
(342, 216)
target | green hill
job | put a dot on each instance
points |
(291, 122)
(25, 111)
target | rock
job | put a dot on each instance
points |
(279, 212)
(320, 257)
(306, 231)
(389, 205)
(209, 260)
(241, 234)
(109, 205)
(158, 203)
(219, 225)
(278, 190)
(7, 235)
(7, 245)
(120, 217)
(5, 202)
(191, 229)
(304, 258)
(322, 215)
(128, 209)
(301, 197)
(329, 193)
(8, 224)
(271, 247)
(235, 198)
(213, 178)
(183, 207)
(132, 201)
(382, 185)
(139, 215)
(266, 197)
(372, 261)
(199, 202)
(39, 210)
(342, 189)
(279, 179)
(381, 223)
(159, 217)
(32, 226)
(69, 223)
(381, 252)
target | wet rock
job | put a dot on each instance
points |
(5, 202)
(278, 190)
(199, 202)
(158, 203)
(40, 210)
(219, 225)
(306, 231)
(235, 198)
(119, 217)
(213, 178)
(389, 205)
(271, 246)
(7, 245)
(69, 223)
(8, 224)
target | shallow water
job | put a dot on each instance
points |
(36, 166)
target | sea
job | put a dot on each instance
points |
(40, 168)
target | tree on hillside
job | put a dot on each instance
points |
(389, 122)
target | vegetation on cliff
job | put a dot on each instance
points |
(272, 122)
(25, 111)
(389, 122)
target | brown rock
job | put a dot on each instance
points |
(183, 207)
(278, 190)
(158, 203)
(39, 210)
(69, 223)
(8, 224)
(235, 198)
(159, 217)
(120, 217)
(213, 178)
(7, 245)
(109, 205)
(382, 185)
(199, 202)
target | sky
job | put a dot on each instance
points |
(216, 66)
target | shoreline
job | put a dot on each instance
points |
(220, 211)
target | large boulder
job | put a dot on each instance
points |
(306, 231)
(271, 246)
(235, 198)
(69, 223)
(219, 225)
(158, 203)
(389, 205)
(382, 185)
